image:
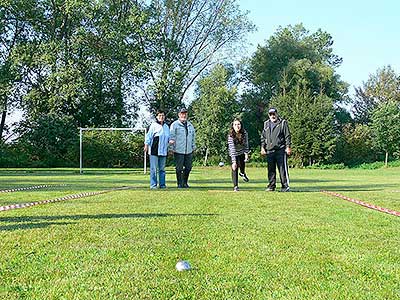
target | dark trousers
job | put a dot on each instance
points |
(240, 165)
(274, 159)
(183, 166)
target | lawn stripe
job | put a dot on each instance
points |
(365, 204)
(35, 187)
(68, 197)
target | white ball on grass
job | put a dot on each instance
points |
(183, 265)
(221, 164)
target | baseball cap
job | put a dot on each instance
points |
(183, 110)
(272, 110)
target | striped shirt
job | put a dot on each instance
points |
(238, 149)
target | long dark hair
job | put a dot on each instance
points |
(238, 137)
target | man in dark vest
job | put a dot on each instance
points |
(275, 144)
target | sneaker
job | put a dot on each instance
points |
(269, 189)
(236, 189)
(244, 177)
(287, 189)
(185, 185)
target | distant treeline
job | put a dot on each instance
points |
(70, 63)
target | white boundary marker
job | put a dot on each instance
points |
(81, 130)
(368, 205)
(59, 199)
(35, 187)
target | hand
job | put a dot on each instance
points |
(246, 157)
(263, 152)
(146, 148)
(288, 151)
(234, 166)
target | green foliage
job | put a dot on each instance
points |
(381, 87)
(13, 155)
(213, 112)
(371, 166)
(15, 31)
(113, 149)
(188, 38)
(54, 142)
(311, 123)
(91, 63)
(295, 65)
(378, 165)
(80, 60)
(386, 126)
(50, 141)
(327, 167)
(356, 145)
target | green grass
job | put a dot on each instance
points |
(246, 245)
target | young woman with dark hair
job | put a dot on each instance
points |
(238, 146)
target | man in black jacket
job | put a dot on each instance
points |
(275, 143)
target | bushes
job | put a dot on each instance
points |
(52, 141)
(49, 141)
(12, 156)
(113, 149)
(355, 146)
(327, 167)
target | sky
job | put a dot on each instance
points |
(366, 34)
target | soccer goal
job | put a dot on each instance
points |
(132, 130)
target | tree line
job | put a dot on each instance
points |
(295, 71)
(84, 63)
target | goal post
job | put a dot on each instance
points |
(82, 130)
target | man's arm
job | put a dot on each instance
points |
(288, 138)
(172, 137)
(263, 136)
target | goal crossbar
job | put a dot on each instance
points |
(81, 130)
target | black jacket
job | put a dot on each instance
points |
(278, 137)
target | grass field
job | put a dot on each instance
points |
(246, 245)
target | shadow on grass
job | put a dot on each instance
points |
(95, 184)
(32, 222)
(26, 226)
(64, 172)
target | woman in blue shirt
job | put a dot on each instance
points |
(156, 145)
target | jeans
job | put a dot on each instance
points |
(157, 163)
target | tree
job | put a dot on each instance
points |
(191, 36)
(15, 31)
(311, 122)
(81, 61)
(381, 87)
(51, 141)
(213, 111)
(356, 145)
(386, 127)
(294, 64)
